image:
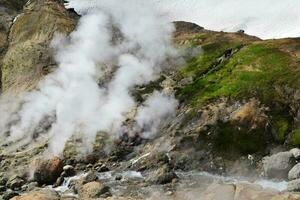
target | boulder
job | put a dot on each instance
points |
(94, 190)
(39, 195)
(278, 165)
(294, 173)
(69, 171)
(162, 175)
(296, 153)
(47, 171)
(90, 177)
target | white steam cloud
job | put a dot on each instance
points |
(73, 96)
(266, 19)
(156, 108)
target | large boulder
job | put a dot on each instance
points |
(29, 56)
(278, 165)
(294, 173)
(39, 195)
(47, 171)
(162, 175)
(93, 190)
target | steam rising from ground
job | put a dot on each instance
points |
(156, 108)
(72, 95)
(266, 19)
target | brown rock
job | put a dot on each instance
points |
(47, 171)
(93, 190)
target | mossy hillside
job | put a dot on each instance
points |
(254, 69)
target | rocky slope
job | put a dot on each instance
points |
(239, 101)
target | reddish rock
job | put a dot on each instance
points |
(47, 171)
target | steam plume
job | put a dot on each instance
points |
(72, 94)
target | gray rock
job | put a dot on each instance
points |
(15, 183)
(163, 175)
(90, 177)
(294, 186)
(294, 173)
(278, 165)
(296, 153)
(69, 170)
(9, 194)
(31, 186)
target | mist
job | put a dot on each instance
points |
(73, 97)
(265, 19)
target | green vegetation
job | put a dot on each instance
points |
(294, 138)
(256, 70)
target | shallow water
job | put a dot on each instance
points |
(200, 176)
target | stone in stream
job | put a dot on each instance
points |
(278, 165)
(47, 171)
(90, 177)
(296, 153)
(162, 175)
(294, 173)
(69, 171)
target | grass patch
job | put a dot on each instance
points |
(255, 70)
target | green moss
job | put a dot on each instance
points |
(254, 71)
(233, 139)
(281, 127)
(198, 66)
(294, 138)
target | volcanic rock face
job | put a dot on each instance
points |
(29, 56)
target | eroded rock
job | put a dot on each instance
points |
(278, 165)
(47, 171)
(162, 175)
(294, 173)
(94, 190)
